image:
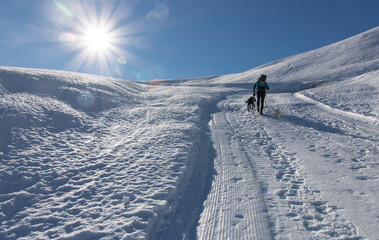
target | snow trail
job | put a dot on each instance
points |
(181, 220)
(235, 208)
(267, 168)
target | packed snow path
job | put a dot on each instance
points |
(288, 177)
(235, 208)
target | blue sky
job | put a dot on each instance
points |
(149, 39)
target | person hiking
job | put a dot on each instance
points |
(261, 86)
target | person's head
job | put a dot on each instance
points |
(263, 77)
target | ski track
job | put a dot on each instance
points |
(235, 208)
(265, 185)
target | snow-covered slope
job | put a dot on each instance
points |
(85, 157)
(88, 157)
(342, 60)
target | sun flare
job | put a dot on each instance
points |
(97, 39)
(98, 33)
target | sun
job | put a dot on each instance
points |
(97, 34)
(97, 39)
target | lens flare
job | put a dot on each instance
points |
(269, 195)
(141, 74)
(63, 8)
(154, 84)
(96, 31)
(117, 71)
(121, 60)
(101, 33)
(68, 38)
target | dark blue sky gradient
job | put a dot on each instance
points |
(180, 38)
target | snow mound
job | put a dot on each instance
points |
(80, 91)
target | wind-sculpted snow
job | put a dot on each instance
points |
(80, 91)
(71, 172)
(88, 157)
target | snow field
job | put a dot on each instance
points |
(88, 157)
(71, 171)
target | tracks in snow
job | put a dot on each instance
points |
(337, 152)
(235, 208)
(262, 188)
(259, 190)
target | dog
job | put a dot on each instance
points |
(276, 112)
(250, 103)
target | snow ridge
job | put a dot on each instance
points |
(359, 117)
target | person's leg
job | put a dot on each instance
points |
(262, 102)
(258, 101)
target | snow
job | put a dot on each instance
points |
(89, 157)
